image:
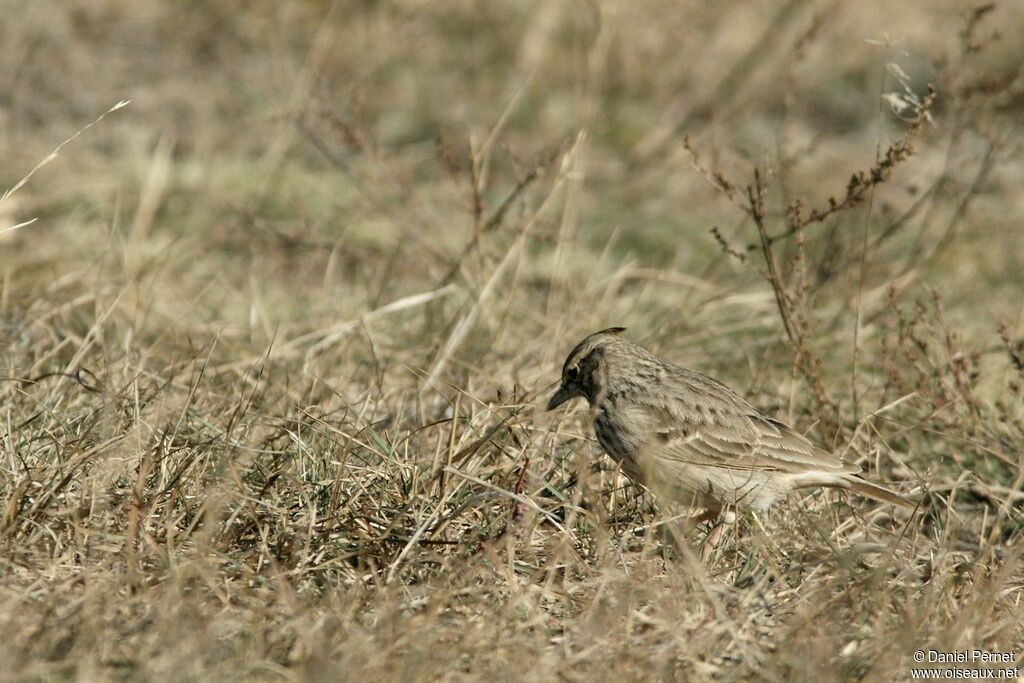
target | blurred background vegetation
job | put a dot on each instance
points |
(291, 138)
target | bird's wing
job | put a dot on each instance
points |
(723, 430)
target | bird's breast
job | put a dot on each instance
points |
(616, 438)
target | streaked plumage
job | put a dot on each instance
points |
(690, 437)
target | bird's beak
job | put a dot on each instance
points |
(560, 397)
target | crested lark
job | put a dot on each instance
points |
(691, 438)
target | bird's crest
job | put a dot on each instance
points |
(589, 343)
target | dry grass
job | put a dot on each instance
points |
(273, 350)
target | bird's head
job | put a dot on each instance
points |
(585, 367)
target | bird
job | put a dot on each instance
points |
(688, 437)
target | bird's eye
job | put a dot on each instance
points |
(572, 373)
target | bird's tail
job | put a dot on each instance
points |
(874, 491)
